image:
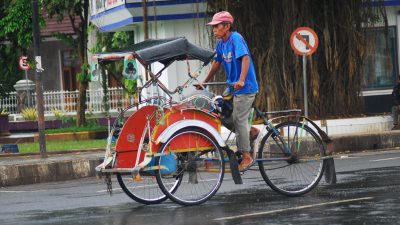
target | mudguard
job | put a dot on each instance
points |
(167, 133)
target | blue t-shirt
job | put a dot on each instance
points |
(230, 53)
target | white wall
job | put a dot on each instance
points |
(195, 31)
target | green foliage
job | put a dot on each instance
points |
(113, 42)
(68, 120)
(17, 24)
(91, 122)
(73, 9)
(130, 86)
(9, 71)
(3, 111)
(106, 104)
(62, 8)
(74, 129)
(84, 75)
(122, 39)
(62, 146)
(15, 39)
(29, 114)
(57, 114)
(66, 38)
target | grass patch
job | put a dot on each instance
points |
(62, 146)
(76, 129)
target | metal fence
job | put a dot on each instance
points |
(66, 101)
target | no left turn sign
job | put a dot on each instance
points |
(304, 41)
(23, 63)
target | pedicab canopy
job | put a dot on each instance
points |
(159, 50)
(147, 52)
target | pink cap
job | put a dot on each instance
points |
(221, 17)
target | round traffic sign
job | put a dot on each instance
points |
(23, 63)
(304, 41)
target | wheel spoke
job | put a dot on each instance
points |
(296, 175)
(200, 171)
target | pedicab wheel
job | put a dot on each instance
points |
(145, 191)
(199, 164)
(298, 171)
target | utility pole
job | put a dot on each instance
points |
(38, 78)
(145, 20)
(145, 27)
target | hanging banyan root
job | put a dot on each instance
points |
(334, 71)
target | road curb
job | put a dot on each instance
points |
(362, 142)
(12, 175)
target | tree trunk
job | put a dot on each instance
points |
(82, 52)
(81, 107)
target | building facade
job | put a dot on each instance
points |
(166, 19)
(382, 66)
(172, 18)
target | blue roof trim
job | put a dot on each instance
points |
(149, 4)
(386, 3)
(118, 8)
(136, 19)
(157, 3)
(116, 25)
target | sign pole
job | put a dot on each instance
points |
(304, 42)
(27, 89)
(305, 85)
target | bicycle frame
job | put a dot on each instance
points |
(269, 126)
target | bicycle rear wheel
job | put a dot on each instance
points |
(199, 164)
(292, 164)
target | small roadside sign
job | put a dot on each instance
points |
(304, 41)
(23, 63)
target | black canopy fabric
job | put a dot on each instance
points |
(167, 50)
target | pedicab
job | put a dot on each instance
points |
(174, 149)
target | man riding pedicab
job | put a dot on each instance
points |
(233, 53)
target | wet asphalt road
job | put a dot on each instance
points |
(367, 192)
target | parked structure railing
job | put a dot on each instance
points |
(66, 101)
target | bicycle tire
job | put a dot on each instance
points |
(145, 191)
(201, 171)
(298, 172)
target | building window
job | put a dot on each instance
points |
(381, 67)
(70, 67)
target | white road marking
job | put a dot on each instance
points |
(5, 191)
(348, 157)
(377, 160)
(293, 208)
(114, 189)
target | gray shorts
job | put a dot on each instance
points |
(238, 122)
